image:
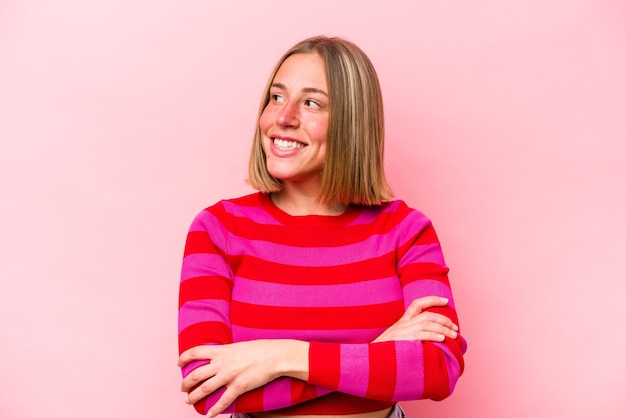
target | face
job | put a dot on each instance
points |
(294, 123)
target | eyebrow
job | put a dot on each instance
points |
(306, 89)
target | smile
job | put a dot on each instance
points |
(285, 145)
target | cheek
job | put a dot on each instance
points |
(265, 121)
(321, 131)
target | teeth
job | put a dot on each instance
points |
(283, 145)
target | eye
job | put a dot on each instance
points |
(276, 98)
(312, 103)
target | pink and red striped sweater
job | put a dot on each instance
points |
(251, 271)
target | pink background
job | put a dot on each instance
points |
(120, 120)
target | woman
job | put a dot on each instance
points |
(319, 295)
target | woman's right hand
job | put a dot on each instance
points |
(241, 367)
(419, 325)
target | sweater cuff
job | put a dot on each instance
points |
(324, 364)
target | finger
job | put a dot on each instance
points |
(433, 323)
(418, 305)
(420, 329)
(200, 352)
(228, 397)
(441, 330)
(189, 356)
(432, 336)
(436, 318)
(200, 374)
(433, 333)
(204, 389)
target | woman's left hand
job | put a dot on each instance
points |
(418, 324)
(240, 367)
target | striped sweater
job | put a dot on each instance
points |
(251, 271)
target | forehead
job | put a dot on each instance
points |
(302, 71)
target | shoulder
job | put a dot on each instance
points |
(224, 209)
(249, 200)
(252, 200)
(398, 216)
(399, 209)
(394, 215)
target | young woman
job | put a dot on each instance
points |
(319, 295)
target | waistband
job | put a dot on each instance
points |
(396, 412)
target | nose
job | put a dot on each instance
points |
(288, 116)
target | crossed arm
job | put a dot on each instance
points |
(243, 366)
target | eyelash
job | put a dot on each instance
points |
(274, 97)
(308, 102)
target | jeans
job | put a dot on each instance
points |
(396, 412)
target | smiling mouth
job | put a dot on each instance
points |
(285, 145)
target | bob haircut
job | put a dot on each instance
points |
(353, 171)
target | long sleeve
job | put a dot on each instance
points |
(399, 370)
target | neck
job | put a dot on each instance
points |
(299, 202)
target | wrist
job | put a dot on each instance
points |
(293, 359)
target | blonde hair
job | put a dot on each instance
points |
(353, 170)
